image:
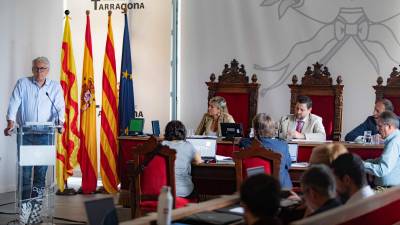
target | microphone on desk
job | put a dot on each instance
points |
(58, 115)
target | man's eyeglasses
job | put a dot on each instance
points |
(40, 69)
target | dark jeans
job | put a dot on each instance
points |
(34, 188)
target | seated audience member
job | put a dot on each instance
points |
(386, 168)
(351, 180)
(217, 113)
(319, 189)
(260, 198)
(175, 135)
(381, 105)
(264, 131)
(325, 154)
(302, 124)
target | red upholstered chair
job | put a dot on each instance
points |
(391, 91)
(240, 95)
(145, 188)
(255, 156)
(382, 208)
(327, 98)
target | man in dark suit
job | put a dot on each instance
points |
(381, 105)
(319, 189)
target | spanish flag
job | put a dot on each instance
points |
(109, 117)
(68, 143)
(88, 149)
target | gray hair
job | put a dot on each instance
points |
(320, 178)
(264, 125)
(41, 59)
(387, 103)
(388, 117)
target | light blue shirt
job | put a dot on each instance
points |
(386, 168)
(29, 102)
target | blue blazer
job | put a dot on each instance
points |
(278, 146)
(369, 124)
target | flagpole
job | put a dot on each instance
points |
(67, 191)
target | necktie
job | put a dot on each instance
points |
(299, 125)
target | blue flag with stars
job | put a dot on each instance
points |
(126, 107)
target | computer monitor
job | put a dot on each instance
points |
(101, 212)
(207, 147)
(136, 126)
(231, 130)
(155, 125)
(293, 151)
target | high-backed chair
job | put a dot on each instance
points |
(255, 156)
(327, 98)
(392, 89)
(382, 209)
(240, 95)
(145, 187)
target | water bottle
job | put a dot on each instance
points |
(251, 135)
(164, 206)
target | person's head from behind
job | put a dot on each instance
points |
(260, 197)
(40, 68)
(216, 106)
(325, 154)
(318, 186)
(382, 105)
(264, 126)
(349, 173)
(303, 107)
(387, 123)
(175, 130)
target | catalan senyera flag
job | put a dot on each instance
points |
(88, 148)
(68, 142)
(126, 106)
(109, 117)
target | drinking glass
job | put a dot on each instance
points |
(367, 137)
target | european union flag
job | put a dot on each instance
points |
(126, 107)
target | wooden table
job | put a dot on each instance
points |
(216, 179)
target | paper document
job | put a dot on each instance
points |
(237, 210)
(300, 164)
(223, 158)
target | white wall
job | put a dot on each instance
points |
(27, 32)
(33, 28)
(215, 32)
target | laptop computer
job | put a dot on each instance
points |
(101, 212)
(293, 151)
(136, 126)
(207, 147)
(155, 126)
(231, 130)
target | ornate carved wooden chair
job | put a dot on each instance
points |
(255, 156)
(392, 89)
(240, 95)
(145, 187)
(327, 98)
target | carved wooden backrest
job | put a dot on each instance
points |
(259, 156)
(327, 98)
(240, 95)
(159, 172)
(392, 89)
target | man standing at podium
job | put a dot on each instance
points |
(35, 99)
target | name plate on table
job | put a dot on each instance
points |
(37, 155)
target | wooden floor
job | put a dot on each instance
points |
(66, 207)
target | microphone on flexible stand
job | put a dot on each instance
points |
(58, 124)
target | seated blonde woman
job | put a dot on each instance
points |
(217, 113)
(325, 154)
